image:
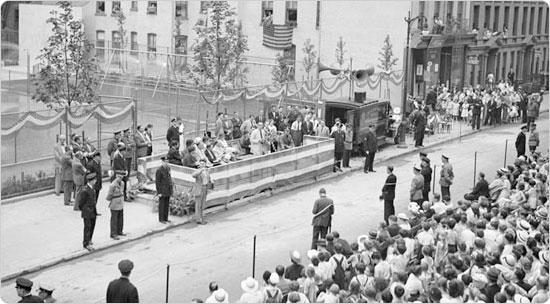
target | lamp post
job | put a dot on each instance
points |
(402, 143)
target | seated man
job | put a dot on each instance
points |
(191, 159)
(209, 152)
(285, 141)
(174, 155)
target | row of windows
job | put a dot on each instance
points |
(180, 11)
(116, 40)
(503, 66)
(530, 19)
(291, 12)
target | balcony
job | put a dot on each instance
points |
(452, 26)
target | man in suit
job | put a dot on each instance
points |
(58, 151)
(258, 140)
(227, 127)
(275, 116)
(67, 176)
(476, 111)
(121, 290)
(163, 183)
(149, 136)
(87, 147)
(308, 125)
(237, 122)
(112, 145)
(77, 144)
(419, 122)
(323, 209)
(339, 137)
(119, 164)
(94, 166)
(86, 203)
(260, 117)
(174, 155)
(521, 140)
(297, 131)
(79, 175)
(218, 126)
(370, 146)
(447, 176)
(23, 287)
(417, 186)
(173, 132)
(141, 142)
(480, 189)
(200, 190)
(388, 193)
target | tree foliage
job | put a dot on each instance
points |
(69, 71)
(280, 72)
(340, 52)
(310, 58)
(386, 59)
(219, 48)
(121, 22)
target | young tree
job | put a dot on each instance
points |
(340, 52)
(121, 21)
(386, 59)
(279, 73)
(69, 72)
(219, 47)
(310, 58)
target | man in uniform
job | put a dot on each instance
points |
(521, 139)
(447, 176)
(200, 190)
(388, 193)
(417, 186)
(112, 146)
(86, 203)
(94, 166)
(116, 204)
(79, 175)
(370, 147)
(23, 287)
(476, 111)
(426, 172)
(121, 290)
(58, 151)
(129, 153)
(45, 293)
(323, 209)
(149, 136)
(119, 164)
(419, 122)
(163, 182)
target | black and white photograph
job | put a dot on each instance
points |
(331, 151)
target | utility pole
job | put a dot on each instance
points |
(409, 20)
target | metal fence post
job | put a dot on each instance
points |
(167, 280)
(475, 167)
(433, 179)
(505, 152)
(254, 258)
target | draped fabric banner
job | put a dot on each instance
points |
(35, 121)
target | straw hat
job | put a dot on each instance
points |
(250, 285)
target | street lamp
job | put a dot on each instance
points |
(409, 20)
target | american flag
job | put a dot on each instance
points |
(277, 37)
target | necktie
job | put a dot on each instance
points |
(261, 134)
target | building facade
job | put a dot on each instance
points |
(458, 43)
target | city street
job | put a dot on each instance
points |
(222, 250)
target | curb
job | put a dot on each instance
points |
(218, 209)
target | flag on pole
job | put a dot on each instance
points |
(277, 37)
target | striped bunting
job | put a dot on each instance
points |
(277, 37)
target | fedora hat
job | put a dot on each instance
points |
(249, 285)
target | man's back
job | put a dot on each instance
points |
(122, 291)
(325, 205)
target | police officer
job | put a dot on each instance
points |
(121, 290)
(163, 182)
(447, 176)
(112, 146)
(45, 293)
(23, 287)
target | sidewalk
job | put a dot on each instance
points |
(52, 233)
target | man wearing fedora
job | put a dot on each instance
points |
(447, 176)
(163, 182)
(121, 290)
(521, 140)
(86, 203)
(116, 204)
(323, 209)
(23, 287)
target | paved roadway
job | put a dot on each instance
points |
(222, 250)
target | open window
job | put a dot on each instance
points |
(152, 7)
(292, 13)
(181, 9)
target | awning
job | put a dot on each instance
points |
(437, 41)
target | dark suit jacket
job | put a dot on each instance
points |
(481, 188)
(174, 157)
(173, 133)
(85, 200)
(339, 137)
(163, 181)
(119, 163)
(66, 168)
(388, 191)
(323, 219)
(94, 167)
(141, 145)
(30, 299)
(520, 143)
(370, 143)
(307, 128)
(427, 174)
(275, 116)
(122, 291)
